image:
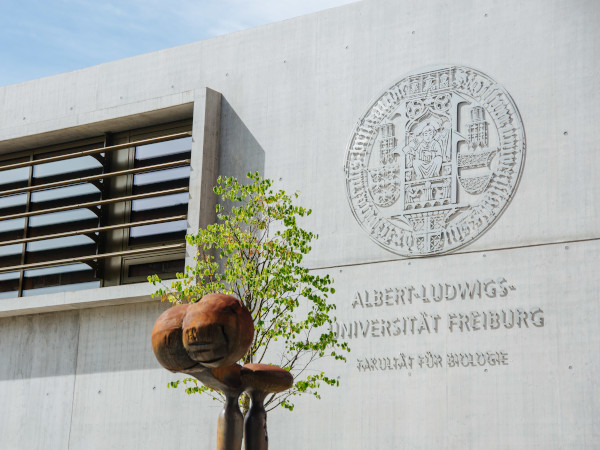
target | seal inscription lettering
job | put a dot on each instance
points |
(434, 161)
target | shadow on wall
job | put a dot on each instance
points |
(94, 340)
(239, 151)
(114, 338)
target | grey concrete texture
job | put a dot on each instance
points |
(291, 94)
(545, 393)
(299, 87)
(63, 301)
(88, 379)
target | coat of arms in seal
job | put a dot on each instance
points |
(434, 161)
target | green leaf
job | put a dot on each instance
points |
(255, 252)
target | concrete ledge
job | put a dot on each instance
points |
(93, 123)
(88, 298)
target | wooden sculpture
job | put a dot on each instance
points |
(205, 340)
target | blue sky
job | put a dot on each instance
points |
(39, 38)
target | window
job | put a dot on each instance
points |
(100, 212)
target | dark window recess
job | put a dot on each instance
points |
(163, 180)
(163, 267)
(57, 214)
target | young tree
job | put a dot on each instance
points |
(255, 252)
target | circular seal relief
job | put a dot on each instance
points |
(434, 161)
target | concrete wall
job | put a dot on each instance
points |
(291, 95)
(88, 379)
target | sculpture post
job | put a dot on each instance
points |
(230, 425)
(205, 340)
(255, 425)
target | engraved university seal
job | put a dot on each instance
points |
(434, 161)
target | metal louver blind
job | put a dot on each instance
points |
(53, 213)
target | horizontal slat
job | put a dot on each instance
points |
(9, 285)
(73, 251)
(160, 186)
(92, 230)
(11, 235)
(9, 260)
(58, 279)
(61, 227)
(50, 204)
(13, 184)
(63, 262)
(159, 267)
(65, 201)
(149, 214)
(12, 210)
(97, 150)
(97, 203)
(61, 177)
(163, 158)
(102, 176)
(158, 237)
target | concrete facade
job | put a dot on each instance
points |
(494, 345)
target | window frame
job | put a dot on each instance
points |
(120, 262)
